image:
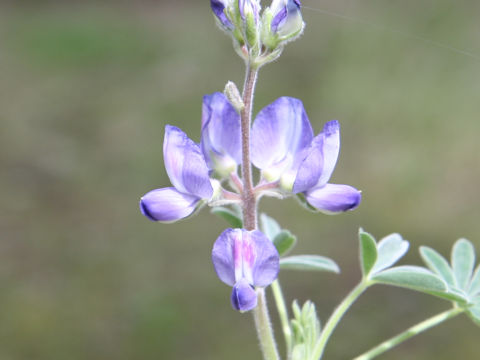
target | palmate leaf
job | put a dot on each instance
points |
(438, 264)
(463, 262)
(368, 252)
(475, 284)
(390, 249)
(309, 263)
(411, 277)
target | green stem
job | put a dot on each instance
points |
(335, 319)
(407, 334)
(264, 327)
(283, 314)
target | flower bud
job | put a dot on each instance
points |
(283, 22)
(218, 8)
(233, 95)
(250, 15)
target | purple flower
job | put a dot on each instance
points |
(287, 18)
(283, 147)
(188, 173)
(245, 259)
(218, 8)
(221, 137)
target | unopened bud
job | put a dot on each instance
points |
(233, 95)
(283, 23)
(218, 8)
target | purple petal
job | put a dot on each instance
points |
(249, 6)
(185, 164)
(240, 254)
(317, 167)
(280, 133)
(167, 204)
(310, 169)
(218, 7)
(244, 297)
(333, 198)
(330, 150)
(221, 133)
(267, 261)
(285, 13)
(278, 19)
(222, 255)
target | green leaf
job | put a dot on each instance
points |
(230, 216)
(463, 261)
(284, 242)
(411, 277)
(368, 252)
(299, 352)
(309, 263)
(475, 284)
(389, 250)
(450, 295)
(269, 226)
(438, 264)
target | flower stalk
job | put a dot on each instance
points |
(407, 334)
(264, 327)
(249, 210)
(335, 319)
(283, 315)
(248, 195)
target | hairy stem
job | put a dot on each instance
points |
(249, 209)
(248, 196)
(283, 314)
(264, 327)
(407, 334)
(335, 319)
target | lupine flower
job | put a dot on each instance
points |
(221, 138)
(287, 19)
(218, 8)
(188, 174)
(245, 260)
(283, 147)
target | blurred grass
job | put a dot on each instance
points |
(85, 92)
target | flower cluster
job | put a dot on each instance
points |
(259, 36)
(291, 160)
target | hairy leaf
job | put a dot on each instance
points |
(309, 263)
(475, 284)
(463, 261)
(438, 264)
(368, 252)
(411, 277)
(390, 249)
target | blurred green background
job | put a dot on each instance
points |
(86, 89)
